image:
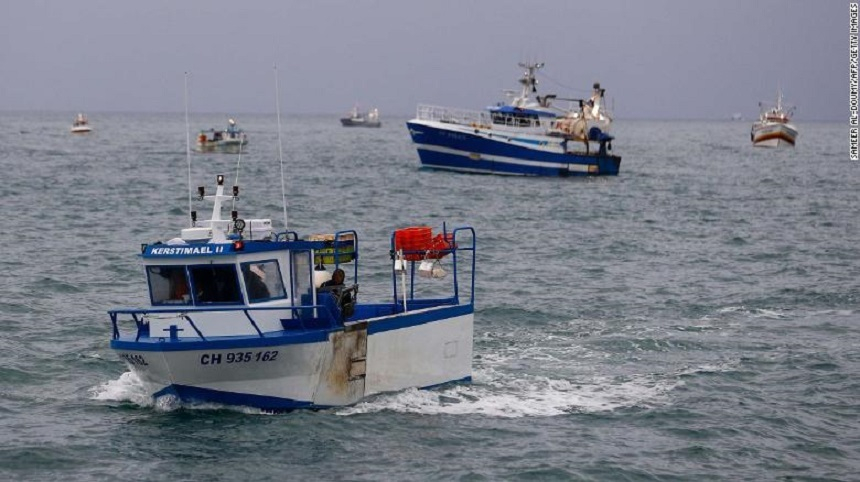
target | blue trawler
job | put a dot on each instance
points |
(527, 136)
(242, 315)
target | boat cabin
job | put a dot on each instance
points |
(282, 275)
(510, 116)
(237, 278)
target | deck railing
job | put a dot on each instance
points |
(451, 115)
(300, 320)
(476, 118)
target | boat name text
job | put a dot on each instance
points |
(134, 359)
(186, 250)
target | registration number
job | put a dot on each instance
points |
(134, 359)
(238, 357)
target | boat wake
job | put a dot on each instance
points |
(128, 388)
(496, 394)
(492, 393)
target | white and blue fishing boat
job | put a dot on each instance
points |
(239, 315)
(526, 136)
(230, 140)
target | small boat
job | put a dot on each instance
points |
(230, 140)
(361, 119)
(241, 315)
(526, 136)
(81, 125)
(774, 127)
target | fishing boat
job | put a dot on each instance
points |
(81, 125)
(774, 127)
(239, 314)
(361, 119)
(528, 135)
(230, 140)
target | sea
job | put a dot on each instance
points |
(696, 317)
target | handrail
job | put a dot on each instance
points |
(137, 315)
(452, 115)
(455, 248)
(287, 235)
(337, 242)
(479, 119)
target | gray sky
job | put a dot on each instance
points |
(663, 59)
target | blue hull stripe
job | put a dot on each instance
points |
(222, 343)
(164, 344)
(409, 320)
(190, 394)
(463, 151)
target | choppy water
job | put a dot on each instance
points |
(695, 317)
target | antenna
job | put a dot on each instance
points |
(188, 148)
(280, 144)
(238, 162)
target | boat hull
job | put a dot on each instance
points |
(346, 122)
(81, 130)
(294, 369)
(462, 148)
(770, 134)
(228, 146)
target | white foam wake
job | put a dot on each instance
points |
(531, 396)
(127, 388)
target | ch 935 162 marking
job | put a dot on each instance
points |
(233, 357)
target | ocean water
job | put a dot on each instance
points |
(695, 318)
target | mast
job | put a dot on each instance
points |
(280, 145)
(528, 81)
(188, 152)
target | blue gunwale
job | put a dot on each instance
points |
(395, 321)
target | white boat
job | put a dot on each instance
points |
(360, 119)
(81, 125)
(230, 140)
(526, 136)
(238, 314)
(774, 127)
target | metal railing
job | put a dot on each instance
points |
(486, 120)
(140, 318)
(451, 115)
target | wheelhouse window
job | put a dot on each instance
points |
(215, 283)
(168, 285)
(515, 120)
(263, 281)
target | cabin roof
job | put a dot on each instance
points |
(196, 250)
(509, 109)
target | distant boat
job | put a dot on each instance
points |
(81, 125)
(737, 116)
(527, 136)
(360, 119)
(230, 140)
(774, 128)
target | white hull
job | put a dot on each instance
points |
(81, 129)
(772, 134)
(340, 370)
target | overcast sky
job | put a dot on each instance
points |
(666, 59)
